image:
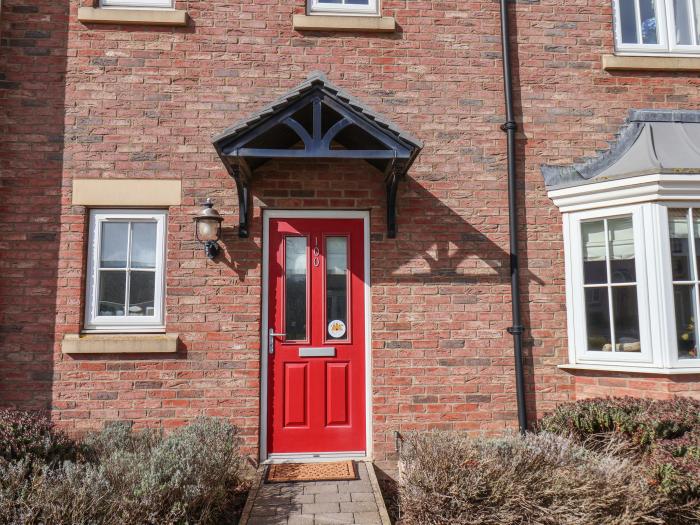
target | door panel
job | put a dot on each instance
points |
(295, 395)
(316, 401)
(337, 394)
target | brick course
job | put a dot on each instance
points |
(133, 101)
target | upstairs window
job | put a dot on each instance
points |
(352, 7)
(657, 26)
(137, 3)
(125, 285)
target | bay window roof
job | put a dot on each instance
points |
(650, 142)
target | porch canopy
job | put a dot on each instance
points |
(316, 120)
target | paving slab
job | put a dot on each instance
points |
(317, 502)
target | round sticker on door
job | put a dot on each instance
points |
(336, 328)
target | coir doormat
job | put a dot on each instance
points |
(336, 471)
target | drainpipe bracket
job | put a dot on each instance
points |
(509, 125)
(517, 329)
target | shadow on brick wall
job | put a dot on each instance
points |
(33, 41)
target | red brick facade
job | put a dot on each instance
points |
(102, 101)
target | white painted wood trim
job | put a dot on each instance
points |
(631, 369)
(316, 457)
(313, 214)
(632, 190)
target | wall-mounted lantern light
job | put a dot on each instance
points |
(207, 228)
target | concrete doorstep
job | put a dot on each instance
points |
(316, 502)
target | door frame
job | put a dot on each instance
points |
(268, 214)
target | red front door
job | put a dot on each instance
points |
(316, 383)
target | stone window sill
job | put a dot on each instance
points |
(630, 369)
(650, 63)
(120, 343)
(152, 17)
(360, 24)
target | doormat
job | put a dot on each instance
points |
(336, 471)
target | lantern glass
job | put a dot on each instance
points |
(208, 229)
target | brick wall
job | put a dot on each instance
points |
(33, 38)
(145, 101)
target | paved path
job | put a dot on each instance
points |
(318, 502)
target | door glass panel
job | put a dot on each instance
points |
(114, 244)
(598, 319)
(295, 269)
(337, 287)
(112, 292)
(143, 245)
(680, 249)
(594, 269)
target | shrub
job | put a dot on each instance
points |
(664, 436)
(193, 475)
(31, 436)
(448, 478)
(643, 421)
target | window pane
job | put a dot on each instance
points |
(357, 2)
(598, 319)
(337, 286)
(628, 22)
(685, 25)
(647, 16)
(114, 244)
(626, 318)
(621, 249)
(112, 293)
(680, 250)
(295, 288)
(684, 303)
(593, 235)
(142, 288)
(143, 245)
(330, 1)
(696, 235)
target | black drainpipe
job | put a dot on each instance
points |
(510, 127)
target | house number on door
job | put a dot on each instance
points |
(316, 253)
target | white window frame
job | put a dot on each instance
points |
(372, 9)
(665, 29)
(96, 323)
(575, 290)
(673, 360)
(138, 4)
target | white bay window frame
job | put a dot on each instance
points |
(577, 309)
(125, 323)
(647, 199)
(665, 31)
(371, 9)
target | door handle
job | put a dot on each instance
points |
(271, 340)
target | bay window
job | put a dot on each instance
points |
(657, 26)
(125, 284)
(633, 287)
